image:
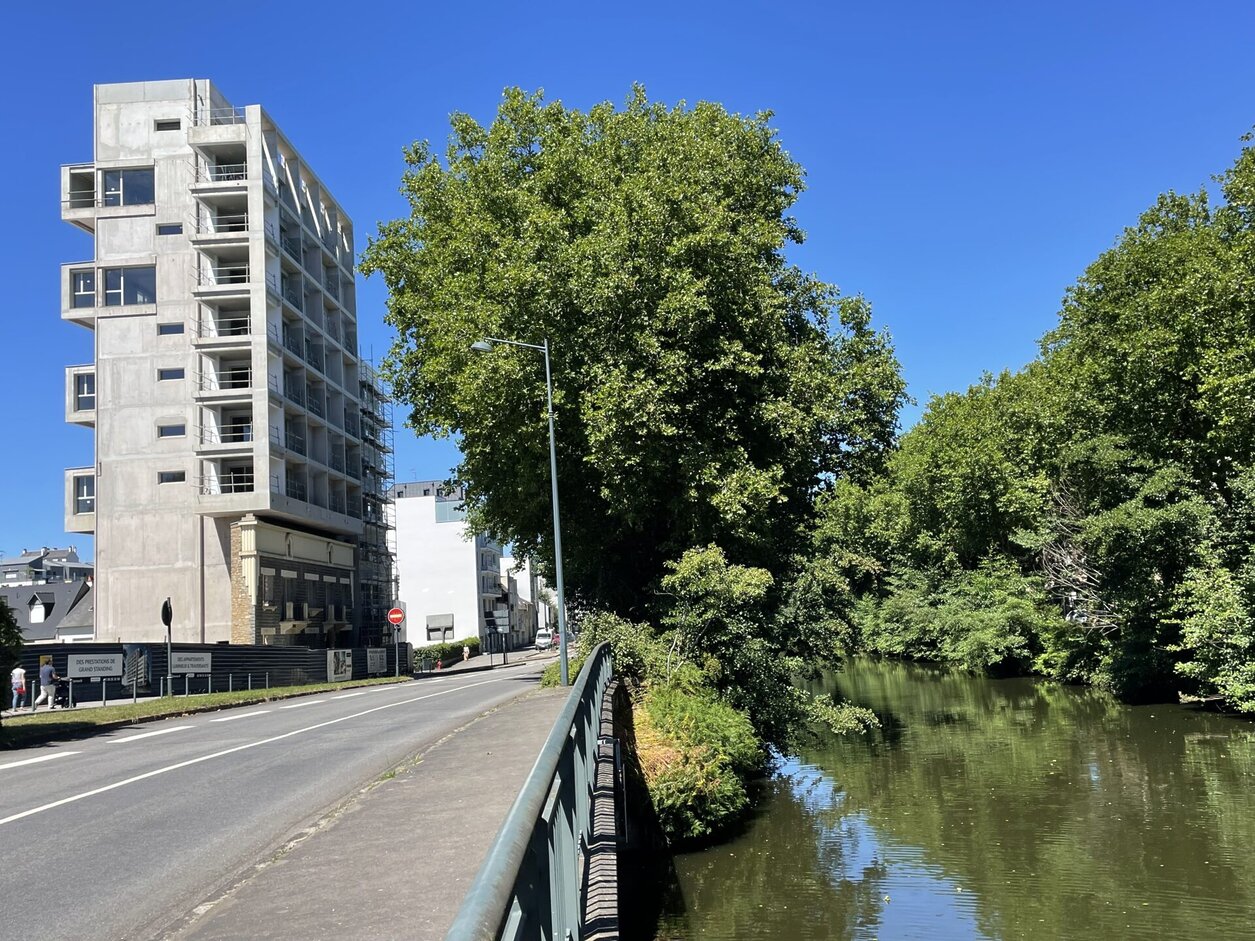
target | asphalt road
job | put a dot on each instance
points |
(117, 835)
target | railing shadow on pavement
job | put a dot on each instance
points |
(530, 885)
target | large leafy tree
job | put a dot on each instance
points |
(10, 637)
(705, 388)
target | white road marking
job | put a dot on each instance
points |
(350, 695)
(308, 702)
(136, 738)
(31, 761)
(229, 751)
(242, 715)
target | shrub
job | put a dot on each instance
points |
(695, 753)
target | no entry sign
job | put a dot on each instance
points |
(396, 616)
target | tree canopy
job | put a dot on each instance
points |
(705, 388)
(1108, 485)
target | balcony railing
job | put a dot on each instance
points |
(314, 398)
(353, 467)
(335, 503)
(214, 117)
(213, 328)
(351, 424)
(336, 460)
(333, 285)
(313, 356)
(215, 223)
(238, 481)
(294, 441)
(221, 172)
(293, 391)
(296, 489)
(230, 434)
(292, 294)
(222, 275)
(292, 341)
(240, 377)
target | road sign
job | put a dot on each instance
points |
(396, 616)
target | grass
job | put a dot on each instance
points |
(31, 728)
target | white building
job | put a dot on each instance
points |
(452, 583)
(240, 449)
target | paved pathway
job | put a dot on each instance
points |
(397, 859)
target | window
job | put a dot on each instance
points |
(128, 187)
(171, 477)
(85, 494)
(84, 391)
(169, 228)
(169, 329)
(130, 286)
(167, 124)
(164, 375)
(83, 288)
(172, 431)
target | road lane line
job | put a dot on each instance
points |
(242, 715)
(31, 761)
(231, 751)
(308, 702)
(350, 695)
(136, 738)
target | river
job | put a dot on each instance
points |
(989, 809)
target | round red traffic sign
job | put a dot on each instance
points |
(396, 616)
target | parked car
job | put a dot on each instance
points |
(544, 640)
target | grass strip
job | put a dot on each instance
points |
(30, 728)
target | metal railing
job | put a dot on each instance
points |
(530, 885)
(293, 391)
(291, 244)
(210, 117)
(294, 441)
(229, 434)
(221, 275)
(212, 328)
(296, 489)
(240, 481)
(292, 294)
(216, 223)
(240, 377)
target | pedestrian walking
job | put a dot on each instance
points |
(466, 652)
(18, 680)
(47, 685)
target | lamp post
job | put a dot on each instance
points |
(483, 346)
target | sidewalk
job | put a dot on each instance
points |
(397, 859)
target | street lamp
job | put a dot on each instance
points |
(483, 346)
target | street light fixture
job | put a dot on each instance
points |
(484, 346)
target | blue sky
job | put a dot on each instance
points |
(965, 161)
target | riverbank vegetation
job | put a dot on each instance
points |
(1091, 516)
(704, 391)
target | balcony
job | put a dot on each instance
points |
(292, 293)
(227, 382)
(80, 395)
(224, 279)
(223, 328)
(78, 196)
(78, 293)
(294, 441)
(210, 177)
(80, 500)
(210, 228)
(294, 391)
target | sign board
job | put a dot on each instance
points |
(339, 665)
(191, 661)
(376, 660)
(396, 616)
(88, 665)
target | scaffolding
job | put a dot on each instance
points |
(376, 548)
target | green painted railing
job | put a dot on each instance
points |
(530, 885)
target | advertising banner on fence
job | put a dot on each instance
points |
(87, 665)
(191, 661)
(376, 660)
(339, 665)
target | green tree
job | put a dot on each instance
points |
(10, 636)
(704, 387)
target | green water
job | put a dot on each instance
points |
(990, 809)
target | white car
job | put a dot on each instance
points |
(544, 640)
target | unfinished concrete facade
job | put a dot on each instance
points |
(226, 387)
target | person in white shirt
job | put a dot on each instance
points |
(18, 680)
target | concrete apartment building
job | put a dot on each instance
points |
(242, 449)
(452, 582)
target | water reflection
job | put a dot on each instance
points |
(999, 809)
